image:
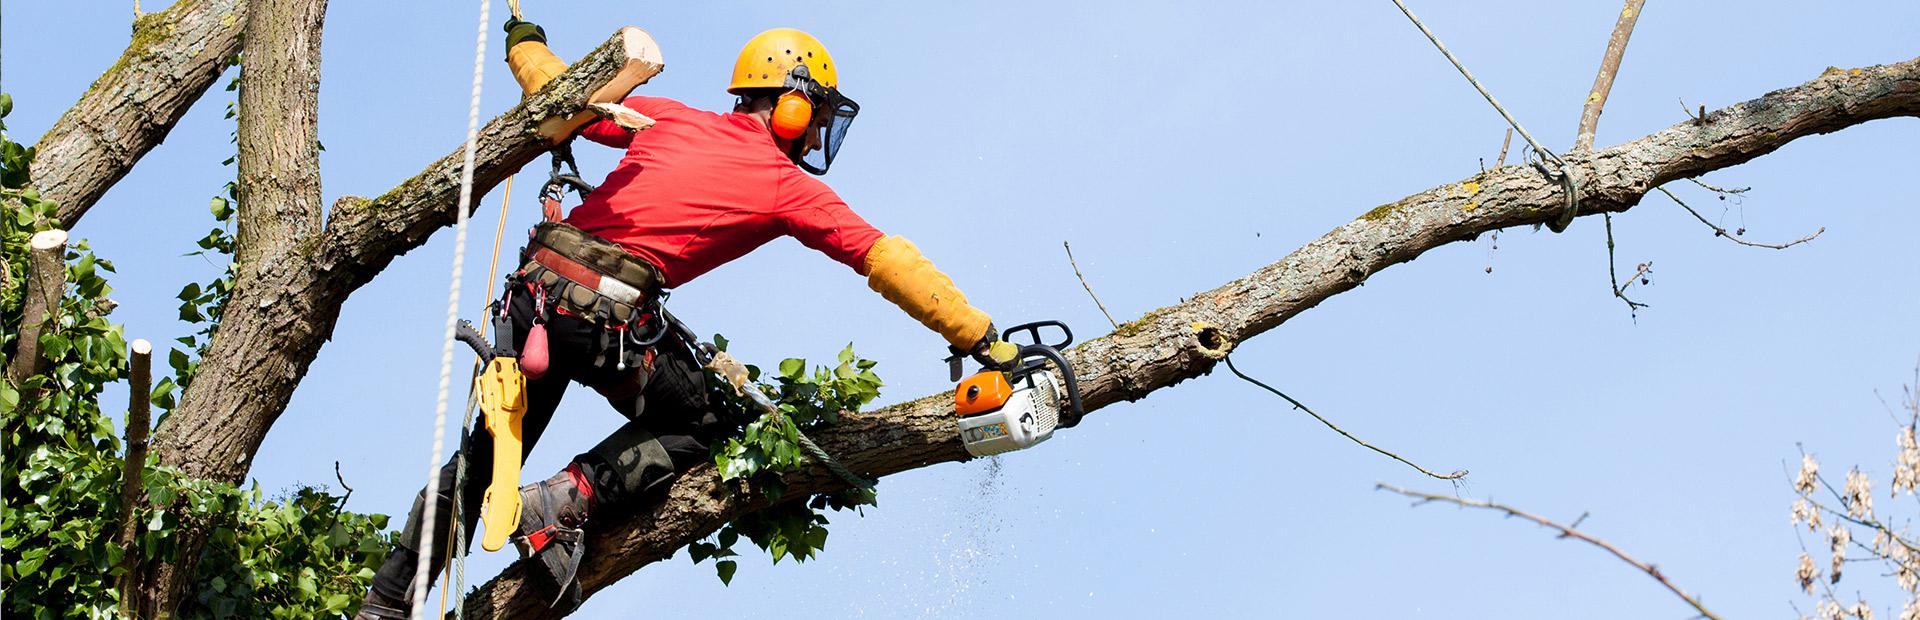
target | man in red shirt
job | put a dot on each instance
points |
(695, 190)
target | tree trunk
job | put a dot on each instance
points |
(175, 55)
(279, 193)
(1183, 341)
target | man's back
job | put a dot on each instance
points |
(699, 189)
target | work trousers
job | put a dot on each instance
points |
(663, 397)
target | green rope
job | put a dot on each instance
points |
(820, 456)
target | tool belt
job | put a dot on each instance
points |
(590, 277)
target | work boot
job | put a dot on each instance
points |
(551, 515)
(379, 606)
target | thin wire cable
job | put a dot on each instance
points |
(1476, 83)
(1456, 475)
(420, 577)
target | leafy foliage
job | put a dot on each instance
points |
(769, 445)
(300, 556)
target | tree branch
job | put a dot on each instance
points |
(1609, 66)
(1183, 341)
(1566, 531)
(279, 195)
(175, 55)
(279, 133)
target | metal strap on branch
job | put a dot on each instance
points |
(1561, 173)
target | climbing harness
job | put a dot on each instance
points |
(1017, 407)
(1561, 172)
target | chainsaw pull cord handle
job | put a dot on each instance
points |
(1069, 417)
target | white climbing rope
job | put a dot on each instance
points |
(420, 576)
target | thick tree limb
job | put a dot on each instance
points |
(279, 133)
(1183, 341)
(175, 55)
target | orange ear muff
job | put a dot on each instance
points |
(791, 115)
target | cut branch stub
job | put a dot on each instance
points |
(643, 61)
(46, 285)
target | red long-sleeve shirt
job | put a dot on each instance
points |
(699, 189)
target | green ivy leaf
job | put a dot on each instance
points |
(54, 346)
(720, 342)
(726, 569)
(792, 368)
(221, 208)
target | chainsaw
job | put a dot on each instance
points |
(1015, 408)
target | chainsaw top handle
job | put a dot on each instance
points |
(1033, 331)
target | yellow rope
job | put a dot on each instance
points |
(493, 271)
(494, 267)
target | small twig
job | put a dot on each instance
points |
(1083, 284)
(1236, 371)
(1700, 119)
(1609, 66)
(1723, 190)
(1504, 142)
(1565, 532)
(1640, 271)
(343, 498)
(1722, 232)
(343, 482)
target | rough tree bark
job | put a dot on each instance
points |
(175, 55)
(1183, 341)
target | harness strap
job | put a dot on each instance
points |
(583, 275)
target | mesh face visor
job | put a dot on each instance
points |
(832, 114)
(831, 122)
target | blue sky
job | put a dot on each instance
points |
(1178, 146)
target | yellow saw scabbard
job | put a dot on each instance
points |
(503, 401)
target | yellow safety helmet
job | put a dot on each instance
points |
(785, 58)
(769, 56)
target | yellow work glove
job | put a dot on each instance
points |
(992, 352)
(533, 65)
(897, 270)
